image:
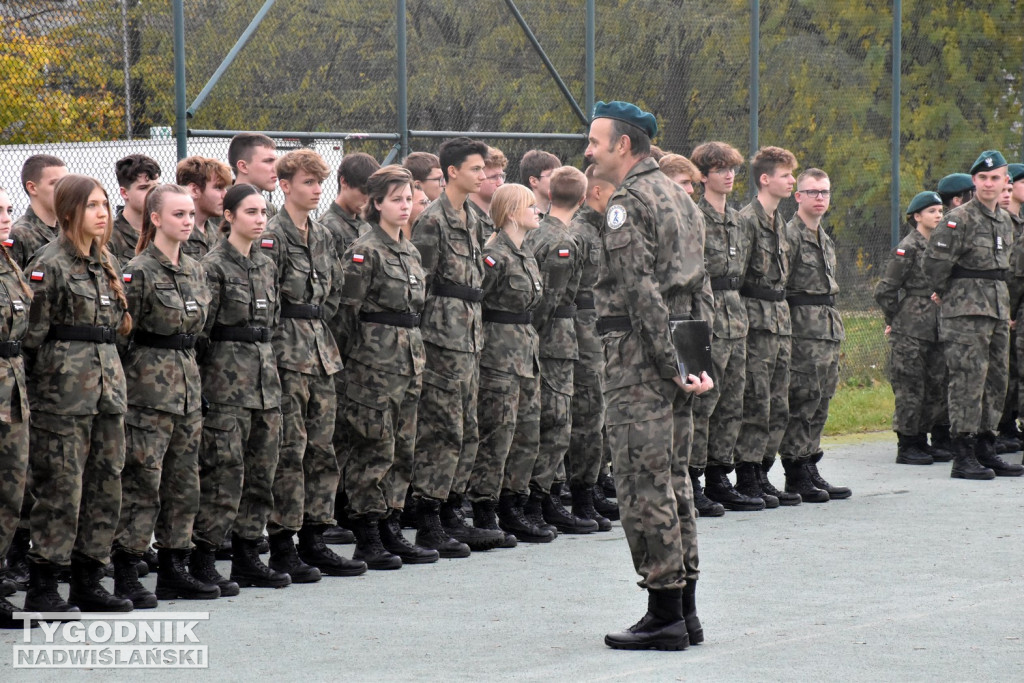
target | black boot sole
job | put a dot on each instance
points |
(458, 552)
(246, 582)
(172, 594)
(980, 476)
(815, 498)
(734, 506)
(148, 602)
(664, 643)
(85, 606)
(900, 460)
(711, 511)
(415, 559)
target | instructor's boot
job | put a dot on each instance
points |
(173, 582)
(605, 506)
(719, 489)
(563, 520)
(485, 517)
(662, 628)
(583, 506)
(512, 519)
(477, 539)
(785, 497)
(369, 547)
(88, 594)
(431, 534)
(42, 595)
(247, 569)
(748, 483)
(126, 581)
(909, 451)
(834, 492)
(705, 506)
(965, 462)
(986, 452)
(693, 627)
(203, 566)
(798, 480)
(396, 543)
(313, 551)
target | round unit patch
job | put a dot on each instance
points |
(616, 216)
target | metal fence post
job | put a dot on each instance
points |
(755, 81)
(897, 67)
(588, 87)
(403, 81)
(180, 123)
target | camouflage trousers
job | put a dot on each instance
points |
(447, 435)
(76, 463)
(1012, 386)
(508, 412)
(586, 441)
(378, 421)
(765, 397)
(720, 410)
(917, 373)
(14, 440)
(556, 387)
(813, 376)
(237, 461)
(160, 479)
(977, 358)
(643, 422)
(1018, 352)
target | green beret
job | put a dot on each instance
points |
(922, 201)
(1016, 171)
(955, 183)
(989, 160)
(630, 113)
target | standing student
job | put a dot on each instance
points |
(494, 177)
(680, 171)
(535, 173)
(251, 157)
(426, 173)
(956, 189)
(207, 181)
(137, 174)
(37, 227)
(1016, 212)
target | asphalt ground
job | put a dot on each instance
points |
(916, 577)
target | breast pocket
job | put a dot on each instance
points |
(83, 298)
(297, 273)
(168, 308)
(394, 290)
(463, 268)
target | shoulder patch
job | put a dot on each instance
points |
(951, 225)
(358, 258)
(490, 261)
(36, 276)
(267, 243)
(616, 216)
(9, 242)
(901, 252)
(563, 253)
(127, 277)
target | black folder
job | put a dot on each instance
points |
(692, 342)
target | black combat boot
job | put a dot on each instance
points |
(834, 492)
(340, 533)
(431, 534)
(909, 451)
(785, 497)
(748, 483)
(605, 506)
(150, 559)
(455, 525)
(88, 594)
(935, 453)
(563, 520)
(314, 552)
(533, 511)
(409, 518)
(986, 452)
(965, 461)
(607, 484)
(224, 551)
(7, 619)
(396, 543)
(369, 547)
(42, 595)
(126, 581)
(942, 444)
(203, 566)
(693, 627)
(173, 582)
(662, 628)
(798, 480)
(17, 559)
(718, 488)
(7, 587)
(583, 506)
(705, 506)
(1009, 438)
(485, 517)
(512, 519)
(247, 569)
(284, 558)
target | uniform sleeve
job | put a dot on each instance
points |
(358, 276)
(333, 299)
(272, 247)
(704, 303)
(494, 276)
(135, 293)
(426, 236)
(887, 291)
(43, 280)
(944, 249)
(1015, 279)
(548, 265)
(214, 289)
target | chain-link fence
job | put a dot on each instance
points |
(91, 80)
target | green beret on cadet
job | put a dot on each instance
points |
(989, 160)
(1016, 172)
(955, 183)
(630, 113)
(922, 201)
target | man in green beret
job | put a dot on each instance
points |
(966, 263)
(956, 189)
(652, 272)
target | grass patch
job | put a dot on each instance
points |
(860, 407)
(863, 353)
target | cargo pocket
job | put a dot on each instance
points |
(640, 436)
(367, 412)
(52, 446)
(220, 453)
(440, 408)
(494, 401)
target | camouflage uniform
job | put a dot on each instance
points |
(966, 263)
(377, 327)
(242, 429)
(766, 394)
(817, 334)
(309, 283)
(486, 224)
(343, 226)
(652, 270)
(586, 443)
(14, 413)
(77, 394)
(559, 259)
(1016, 287)
(917, 367)
(727, 246)
(122, 239)
(200, 243)
(28, 235)
(1013, 393)
(160, 480)
(447, 434)
(508, 406)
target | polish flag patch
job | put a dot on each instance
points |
(358, 258)
(563, 253)
(267, 243)
(8, 243)
(901, 252)
(127, 277)
(490, 261)
(36, 276)
(951, 225)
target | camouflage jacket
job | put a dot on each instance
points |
(486, 224)
(451, 254)
(727, 246)
(768, 269)
(652, 269)
(308, 273)
(164, 299)
(813, 263)
(28, 235)
(381, 276)
(123, 239)
(344, 227)
(14, 310)
(1016, 281)
(243, 293)
(512, 284)
(200, 242)
(586, 227)
(73, 377)
(561, 265)
(904, 293)
(971, 237)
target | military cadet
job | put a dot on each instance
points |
(251, 157)
(1008, 437)
(652, 269)
(137, 174)
(167, 299)
(956, 189)
(817, 334)
(535, 172)
(1016, 212)
(343, 217)
(38, 225)
(447, 235)
(15, 300)
(419, 203)
(378, 330)
(242, 428)
(966, 263)
(766, 392)
(309, 284)
(77, 395)
(426, 173)
(727, 246)
(207, 181)
(680, 171)
(508, 405)
(917, 368)
(494, 177)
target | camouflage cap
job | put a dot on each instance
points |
(955, 183)
(1016, 171)
(630, 113)
(922, 201)
(989, 160)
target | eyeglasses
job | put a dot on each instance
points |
(816, 194)
(497, 177)
(439, 180)
(424, 203)
(534, 208)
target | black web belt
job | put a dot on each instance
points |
(763, 293)
(506, 318)
(720, 283)
(240, 334)
(620, 323)
(965, 273)
(566, 311)
(179, 342)
(307, 311)
(472, 294)
(10, 349)
(811, 300)
(86, 333)
(393, 319)
(585, 301)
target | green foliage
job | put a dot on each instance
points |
(856, 409)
